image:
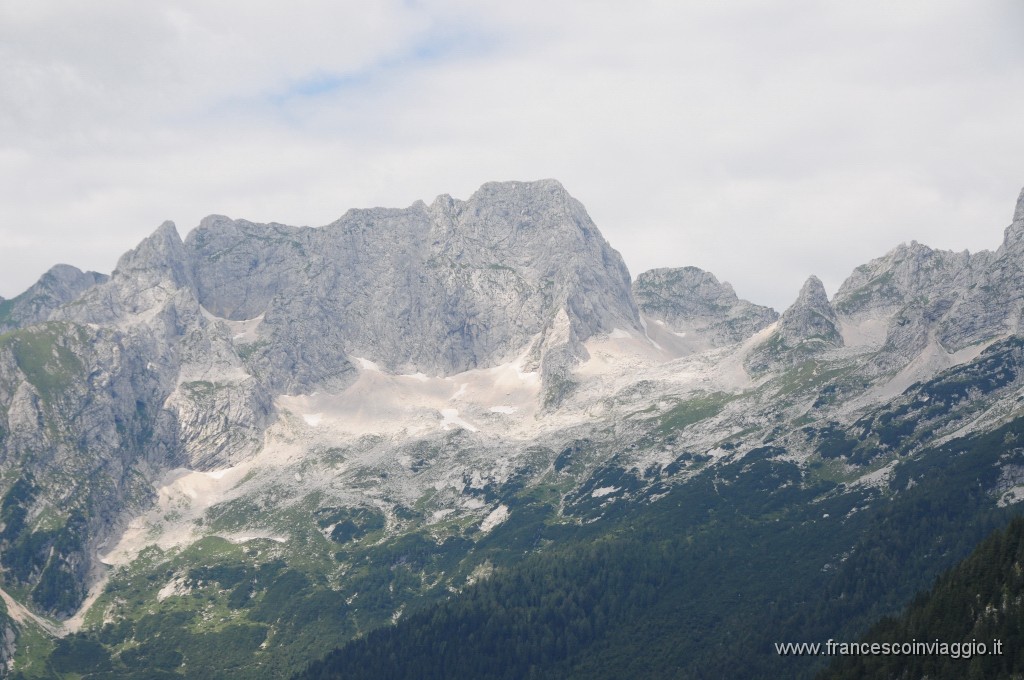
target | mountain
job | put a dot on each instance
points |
(62, 284)
(248, 447)
(438, 289)
(694, 305)
(808, 327)
(707, 582)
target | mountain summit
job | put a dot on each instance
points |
(440, 289)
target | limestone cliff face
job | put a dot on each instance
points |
(811, 318)
(175, 359)
(62, 284)
(692, 301)
(806, 329)
(221, 323)
(128, 379)
(436, 289)
(150, 304)
(80, 420)
(932, 296)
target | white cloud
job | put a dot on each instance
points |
(763, 141)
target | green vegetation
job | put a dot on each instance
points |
(43, 357)
(33, 653)
(980, 600)
(691, 411)
(249, 350)
(910, 421)
(6, 307)
(703, 582)
(41, 559)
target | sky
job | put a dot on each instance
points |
(761, 140)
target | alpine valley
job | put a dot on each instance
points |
(458, 440)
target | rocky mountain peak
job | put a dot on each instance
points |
(907, 271)
(691, 301)
(1014, 235)
(811, 317)
(808, 327)
(214, 221)
(159, 258)
(812, 293)
(435, 289)
(58, 286)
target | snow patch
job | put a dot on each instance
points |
(240, 538)
(243, 332)
(366, 364)
(507, 410)
(879, 477)
(1011, 496)
(603, 491)
(439, 515)
(643, 324)
(408, 405)
(452, 420)
(497, 516)
(175, 586)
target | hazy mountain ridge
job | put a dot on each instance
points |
(439, 289)
(62, 284)
(445, 371)
(693, 302)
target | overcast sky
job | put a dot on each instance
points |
(763, 140)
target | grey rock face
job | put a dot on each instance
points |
(907, 274)
(8, 646)
(926, 295)
(175, 360)
(145, 279)
(62, 284)
(693, 301)
(810, 318)
(129, 379)
(147, 370)
(992, 304)
(77, 420)
(437, 289)
(219, 410)
(807, 328)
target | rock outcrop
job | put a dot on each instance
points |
(810, 319)
(693, 302)
(175, 359)
(62, 284)
(807, 328)
(435, 289)
(926, 296)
